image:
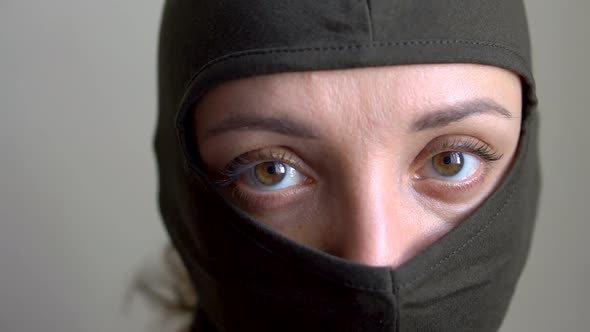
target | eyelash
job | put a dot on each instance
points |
(229, 175)
(465, 144)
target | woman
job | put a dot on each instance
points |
(348, 165)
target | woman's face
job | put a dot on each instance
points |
(370, 164)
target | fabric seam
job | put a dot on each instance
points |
(465, 244)
(370, 17)
(407, 43)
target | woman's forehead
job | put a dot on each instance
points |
(364, 102)
(401, 94)
(411, 87)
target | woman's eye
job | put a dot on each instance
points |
(272, 175)
(451, 166)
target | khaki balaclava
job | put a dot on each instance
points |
(249, 278)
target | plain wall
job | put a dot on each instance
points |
(78, 214)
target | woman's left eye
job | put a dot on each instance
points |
(452, 166)
(272, 175)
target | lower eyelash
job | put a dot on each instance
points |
(264, 201)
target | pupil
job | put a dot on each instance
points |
(447, 160)
(271, 169)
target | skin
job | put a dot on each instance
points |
(363, 141)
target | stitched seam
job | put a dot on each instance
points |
(252, 52)
(370, 16)
(465, 244)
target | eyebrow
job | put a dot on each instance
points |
(459, 111)
(249, 121)
(290, 127)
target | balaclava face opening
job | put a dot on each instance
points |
(249, 278)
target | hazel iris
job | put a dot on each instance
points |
(448, 163)
(270, 173)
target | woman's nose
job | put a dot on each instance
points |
(379, 224)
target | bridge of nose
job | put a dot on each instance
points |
(375, 223)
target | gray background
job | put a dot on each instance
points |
(78, 214)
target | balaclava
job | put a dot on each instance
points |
(249, 278)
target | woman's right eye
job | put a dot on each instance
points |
(265, 179)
